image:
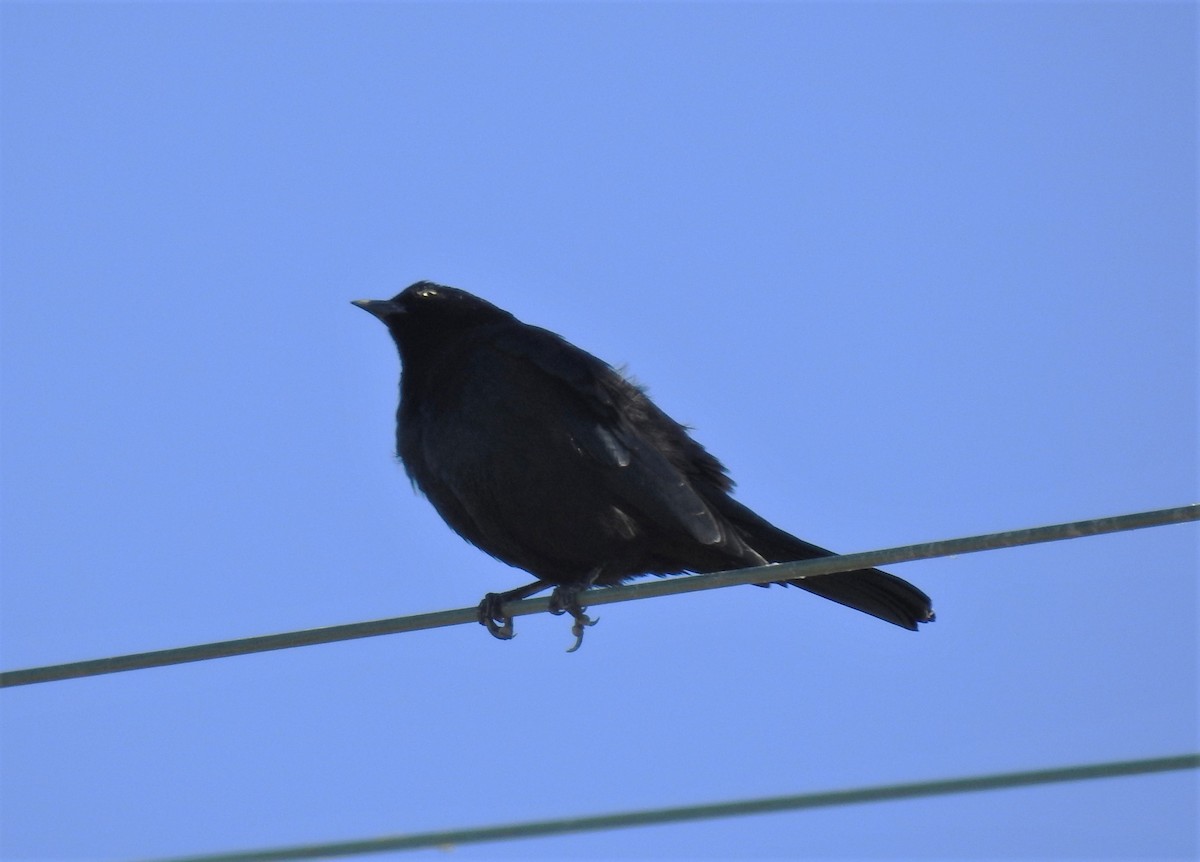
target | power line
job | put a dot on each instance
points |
(682, 814)
(607, 595)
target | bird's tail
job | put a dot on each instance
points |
(868, 590)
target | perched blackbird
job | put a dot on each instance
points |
(549, 459)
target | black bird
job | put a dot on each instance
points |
(547, 458)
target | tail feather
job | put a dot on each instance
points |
(873, 592)
(868, 590)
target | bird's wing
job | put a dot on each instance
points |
(612, 422)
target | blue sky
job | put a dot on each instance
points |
(913, 271)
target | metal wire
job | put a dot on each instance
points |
(607, 595)
(453, 837)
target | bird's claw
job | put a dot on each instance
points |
(580, 622)
(566, 600)
(491, 615)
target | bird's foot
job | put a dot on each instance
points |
(491, 614)
(565, 599)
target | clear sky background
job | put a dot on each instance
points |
(913, 271)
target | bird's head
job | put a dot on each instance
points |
(426, 314)
(427, 303)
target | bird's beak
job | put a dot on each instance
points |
(381, 308)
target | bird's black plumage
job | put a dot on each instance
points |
(549, 459)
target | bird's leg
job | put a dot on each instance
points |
(491, 609)
(565, 599)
